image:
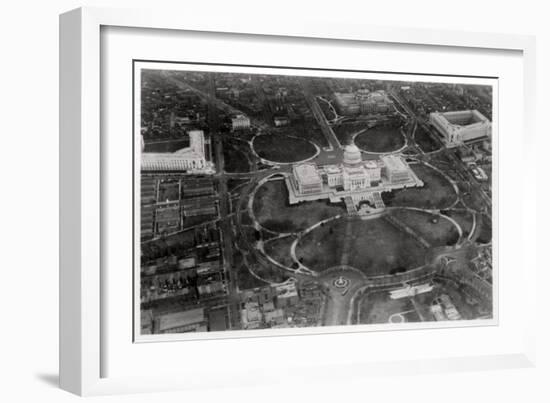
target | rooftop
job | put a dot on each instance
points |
(352, 154)
(332, 169)
(463, 118)
(371, 164)
(394, 163)
(286, 290)
(178, 319)
(307, 174)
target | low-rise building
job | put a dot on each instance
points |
(287, 295)
(187, 263)
(251, 316)
(281, 121)
(197, 186)
(206, 205)
(181, 322)
(240, 122)
(212, 288)
(148, 199)
(274, 317)
(261, 295)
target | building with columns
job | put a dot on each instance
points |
(306, 179)
(353, 178)
(190, 159)
(240, 122)
(460, 127)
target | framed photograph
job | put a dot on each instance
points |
(346, 198)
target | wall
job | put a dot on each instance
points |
(29, 88)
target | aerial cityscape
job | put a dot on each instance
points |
(282, 201)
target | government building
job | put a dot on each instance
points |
(461, 127)
(353, 180)
(240, 122)
(362, 102)
(190, 159)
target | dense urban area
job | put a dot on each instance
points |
(276, 201)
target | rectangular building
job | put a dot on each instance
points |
(181, 322)
(287, 295)
(240, 122)
(307, 179)
(460, 127)
(197, 186)
(395, 169)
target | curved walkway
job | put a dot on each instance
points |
(363, 281)
(303, 233)
(447, 177)
(269, 162)
(250, 204)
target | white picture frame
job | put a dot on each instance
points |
(82, 305)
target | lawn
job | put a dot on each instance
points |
(307, 129)
(464, 218)
(377, 307)
(437, 230)
(235, 158)
(233, 184)
(380, 139)
(245, 280)
(279, 250)
(486, 233)
(374, 246)
(266, 271)
(272, 210)
(437, 192)
(284, 149)
(345, 131)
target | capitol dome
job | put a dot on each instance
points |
(352, 155)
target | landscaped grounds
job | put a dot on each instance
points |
(380, 139)
(435, 229)
(437, 192)
(375, 246)
(283, 149)
(272, 210)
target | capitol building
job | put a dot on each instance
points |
(353, 180)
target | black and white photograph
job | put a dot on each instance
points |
(271, 198)
(243, 201)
